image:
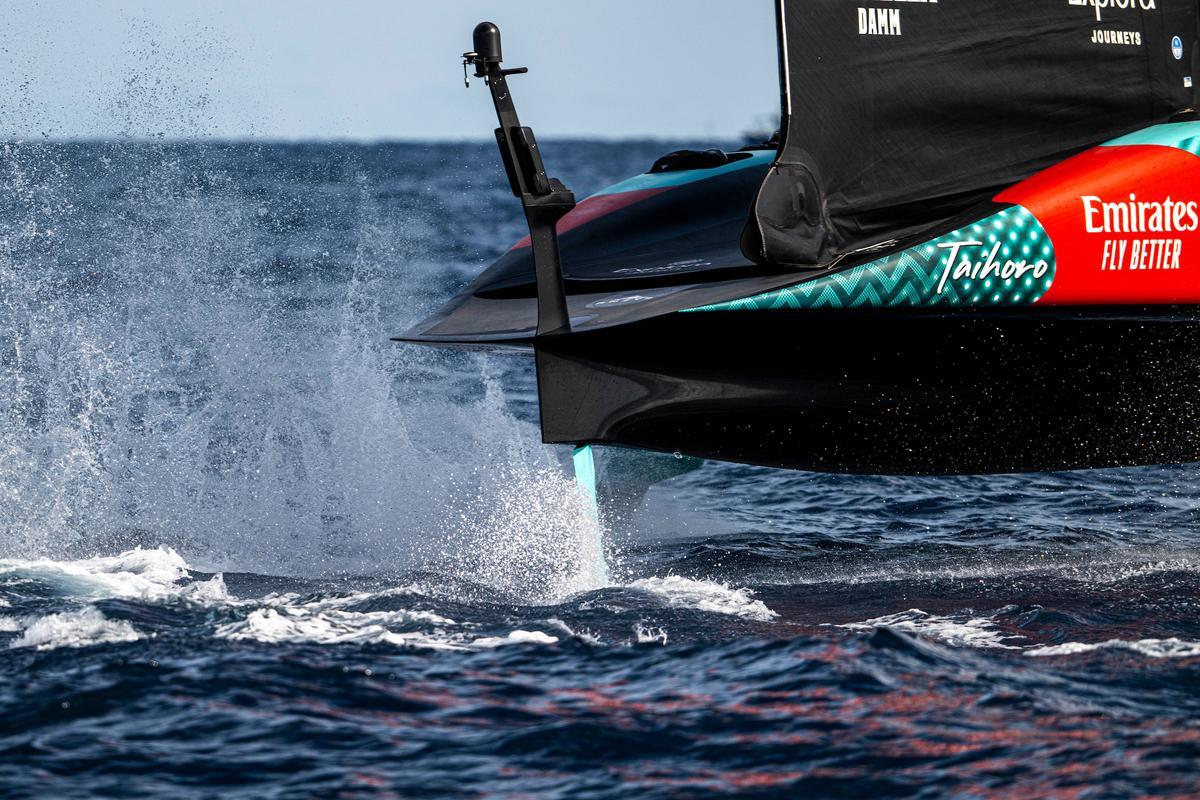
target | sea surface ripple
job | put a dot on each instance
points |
(251, 548)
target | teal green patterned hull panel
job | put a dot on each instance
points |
(1183, 135)
(1004, 260)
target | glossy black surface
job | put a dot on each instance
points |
(908, 393)
(665, 252)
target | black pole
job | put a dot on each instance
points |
(544, 199)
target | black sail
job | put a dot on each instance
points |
(899, 114)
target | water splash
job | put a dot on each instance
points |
(528, 532)
(194, 355)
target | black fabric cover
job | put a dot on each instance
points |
(902, 113)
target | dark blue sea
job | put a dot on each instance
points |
(252, 548)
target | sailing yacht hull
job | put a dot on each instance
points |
(1055, 325)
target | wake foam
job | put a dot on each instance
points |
(643, 634)
(1153, 648)
(162, 576)
(144, 574)
(516, 637)
(963, 632)
(1090, 569)
(714, 598)
(83, 628)
(300, 624)
(983, 632)
(330, 622)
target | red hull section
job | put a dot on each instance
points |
(1125, 224)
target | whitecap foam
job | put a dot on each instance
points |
(82, 628)
(983, 632)
(643, 634)
(1091, 569)
(965, 632)
(332, 621)
(343, 606)
(715, 598)
(210, 591)
(140, 573)
(1154, 648)
(582, 635)
(299, 624)
(516, 637)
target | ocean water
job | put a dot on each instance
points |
(251, 548)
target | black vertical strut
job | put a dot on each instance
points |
(545, 199)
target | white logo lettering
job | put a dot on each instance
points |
(1122, 5)
(965, 269)
(1139, 216)
(879, 22)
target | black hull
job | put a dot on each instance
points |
(886, 393)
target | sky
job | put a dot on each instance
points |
(375, 70)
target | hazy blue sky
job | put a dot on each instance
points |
(380, 70)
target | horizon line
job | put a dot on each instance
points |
(15, 139)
